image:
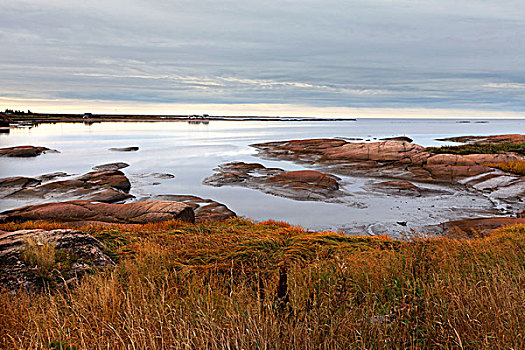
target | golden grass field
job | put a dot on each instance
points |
(245, 285)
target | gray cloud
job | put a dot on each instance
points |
(368, 53)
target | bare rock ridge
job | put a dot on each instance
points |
(68, 255)
(86, 212)
(299, 185)
(25, 151)
(104, 186)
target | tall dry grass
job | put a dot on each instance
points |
(240, 285)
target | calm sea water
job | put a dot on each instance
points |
(191, 152)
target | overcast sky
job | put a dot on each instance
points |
(375, 54)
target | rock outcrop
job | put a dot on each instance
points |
(299, 185)
(25, 151)
(206, 210)
(86, 212)
(103, 186)
(32, 260)
(399, 160)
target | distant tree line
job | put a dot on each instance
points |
(16, 111)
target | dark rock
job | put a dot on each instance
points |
(110, 166)
(25, 151)
(52, 176)
(398, 138)
(206, 210)
(124, 149)
(86, 212)
(69, 254)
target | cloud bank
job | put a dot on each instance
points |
(385, 54)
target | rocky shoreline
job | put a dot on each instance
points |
(394, 168)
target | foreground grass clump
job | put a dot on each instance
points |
(480, 148)
(517, 167)
(242, 285)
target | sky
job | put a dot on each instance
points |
(444, 58)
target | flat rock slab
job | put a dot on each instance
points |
(103, 186)
(478, 226)
(486, 139)
(206, 210)
(124, 149)
(404, 188)
(70, 254)
(25, 151)
(299, 185)
(93, 212)
(155, 175)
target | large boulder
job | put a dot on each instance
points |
(31, 260)
(84, 212)
(25, 151)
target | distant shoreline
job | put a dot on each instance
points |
(76, 118)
